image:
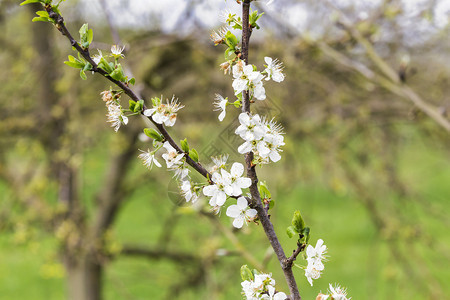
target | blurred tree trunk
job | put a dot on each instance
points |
(84, 272)
(84, 278)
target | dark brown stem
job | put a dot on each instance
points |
(286, 264)
(296, 252)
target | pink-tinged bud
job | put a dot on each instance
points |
(225, 67)
(107, 96)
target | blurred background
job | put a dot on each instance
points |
(365, 108)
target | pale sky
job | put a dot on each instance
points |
(144, 12)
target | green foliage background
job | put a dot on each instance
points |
(369, 172)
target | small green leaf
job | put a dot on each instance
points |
(139, 106)
(291, 232)
(132, 81)
(193, 154)
(41, 19)
(231, 40)
(132, 104)
(29, 1)
(297, 221)
(86, 36)
(306, 233)
(184, 145)
(117, 74)
(83, 75)
(75, 65)
(90, 36)
(42, 13)
(152, 133)
(264, 191)
(246, 273)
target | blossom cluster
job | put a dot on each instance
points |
(314, 257)
(261, 287)
(115, 113)
(226, 184)
(247, 78)
(264, 138)
(334, 293)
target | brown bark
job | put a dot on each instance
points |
(84, 278)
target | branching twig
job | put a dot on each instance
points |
(251, 172)
(127, 90)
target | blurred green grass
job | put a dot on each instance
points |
(359, 259)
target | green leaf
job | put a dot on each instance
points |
(291, 232)
(263, 190)
(152, 133)
(83, 75)
(184, 145)
(42, 13)
(306, 233)
(139, 106)
(231, 40)
(75, 65)
(90, 36)
(41, 19)
(246, 273)
(29, 1)
(132, 104)
(86, 36)
(117, 74)
(193, 154)
(297, 221)
(132, 81)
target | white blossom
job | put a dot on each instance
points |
(274, 69)
(272, 295)
(187, 191)
(225, 16)
(261, 287)
(219, 36)
(219, 162)
(97, 57)
(241, 212)
(245, 78)
(237, 181)
(172, 157)
(338, 293)
(220, 189)
(165, 112)
(313, 272)
(250, 128)
(115, 116)
(268, 147)
(314, 257)
(117, 51)
(149, 159)
(220, 105)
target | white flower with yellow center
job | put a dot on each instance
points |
(241, 212)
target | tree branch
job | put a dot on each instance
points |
(251, 172)
(127, 90)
